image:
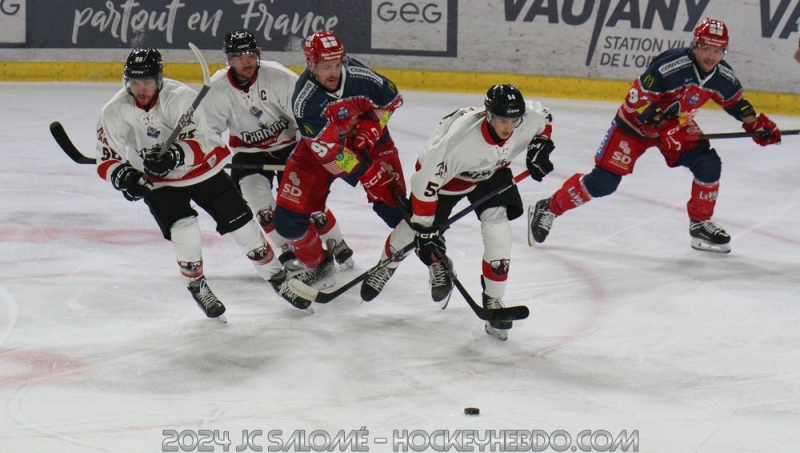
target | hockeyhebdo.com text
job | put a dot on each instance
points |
(208, 440)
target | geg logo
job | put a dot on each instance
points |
(409, 12)
(9, 8)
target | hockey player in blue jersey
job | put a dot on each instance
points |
(659, 112)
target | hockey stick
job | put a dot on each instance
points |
(497, 314)
(69, 148)
(186, 118)
(743, 134)
(487, 314)
(312, 294)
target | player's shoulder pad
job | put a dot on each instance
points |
(176, 94)
(726, 71)
(304, 92)
(220, 74)
(356, 70)
(671, 66)
(535, 108)
(172, 86)
(276, 70)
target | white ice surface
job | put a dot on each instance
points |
(102, 348)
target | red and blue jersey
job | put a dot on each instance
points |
(327, 120)
(674, 84)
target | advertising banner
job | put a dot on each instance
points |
(404, 28)
(581, 39)
(12, 22)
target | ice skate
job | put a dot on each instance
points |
(314, 276)
(540, 220)
(297, 300)
(308, 277)
(341, 252)
(277, 280)
(374, 284)
(709, 237)
(206, 300)
(497, 329)
(441, 282)
(297, 270)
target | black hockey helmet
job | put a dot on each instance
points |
(504, 101)
(143, 63)
(240, 42)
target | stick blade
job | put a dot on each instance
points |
(514, 313)
(61, 137)
(203, 64)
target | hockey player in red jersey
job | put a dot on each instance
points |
(130, 132)
(342, 109)
(252, 99)
(659, 112)
(468, 156)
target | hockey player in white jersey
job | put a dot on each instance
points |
(252, 99)
(468, 156)
(132, 128)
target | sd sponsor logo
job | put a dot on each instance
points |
(622, 157)
(292, 192)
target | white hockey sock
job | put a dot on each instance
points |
(496, 233)
(187, 245)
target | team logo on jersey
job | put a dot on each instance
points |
(308, 130)
(101, 136)
(320, 220)
(694, 99)
(648, 80)
(153, 132)
(256, 112)
(441, 169)
(343, 113)
(268, 133)
(500, 267)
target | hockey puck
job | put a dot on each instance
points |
(472, 411)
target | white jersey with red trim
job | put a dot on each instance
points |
(462, 153)
(259, 116)
(125, 131)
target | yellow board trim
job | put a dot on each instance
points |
(424, 80)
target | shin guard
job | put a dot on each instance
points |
(704, 197)
(571, 195)
(308, 248)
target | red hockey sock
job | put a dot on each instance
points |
(704, 198)
(571, 195)
(308, 249)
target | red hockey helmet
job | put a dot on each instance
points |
(323, 46)
(711, 32)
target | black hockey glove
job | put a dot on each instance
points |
(160, 165)
(538, 159)
(657, 117)
(126, 179)
(428, 241)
